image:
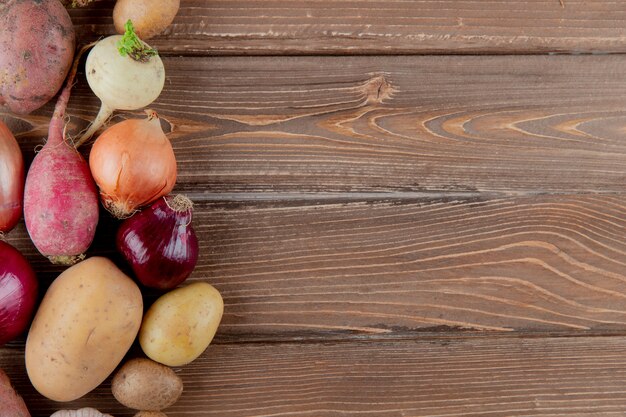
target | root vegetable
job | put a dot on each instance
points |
(143, 384)
(125, 74)
(11, 180)
(36, 49)
(180, 325)
(85, 324)
(60, 197)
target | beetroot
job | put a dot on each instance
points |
(60, 197)
(36, 49)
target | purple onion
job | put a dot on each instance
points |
(18, 293)
(159, 243)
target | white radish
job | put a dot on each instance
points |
(125, 74)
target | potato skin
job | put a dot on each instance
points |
(37, 42)
(149, 17)
(85, 324)
(143, 384)
(180, 325)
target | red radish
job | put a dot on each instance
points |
(60, 197)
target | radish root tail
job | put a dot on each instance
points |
(103, 115)
(66, 260)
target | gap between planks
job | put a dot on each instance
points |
(442, 335)
(199, 197)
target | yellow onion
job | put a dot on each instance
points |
(133, 164)
(11, 180)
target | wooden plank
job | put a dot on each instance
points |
(509, 124)
(235, 27)
(466, 377)
(293, 271)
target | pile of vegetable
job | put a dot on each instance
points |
(93, 312)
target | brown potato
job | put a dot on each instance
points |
(149, 17)
(86, 323)
(150, 414)
(143, 384)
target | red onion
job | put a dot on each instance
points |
(18, 293)
(159, 243)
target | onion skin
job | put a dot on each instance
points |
(11, 180)
(149, 17)
(160, 244)
(133, 164)
(18, 293)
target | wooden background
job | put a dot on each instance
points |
(411, 208)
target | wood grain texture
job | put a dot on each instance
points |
(545, 263)
(426, 378)
(292, 271)
(393, 235)
(236, 27)
(508, 124)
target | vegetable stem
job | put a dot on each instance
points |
(131, 45)
(55, 130)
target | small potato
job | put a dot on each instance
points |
(179, 326)
(85, 324)
(149, 17)
(143, 384)
(150, 414)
